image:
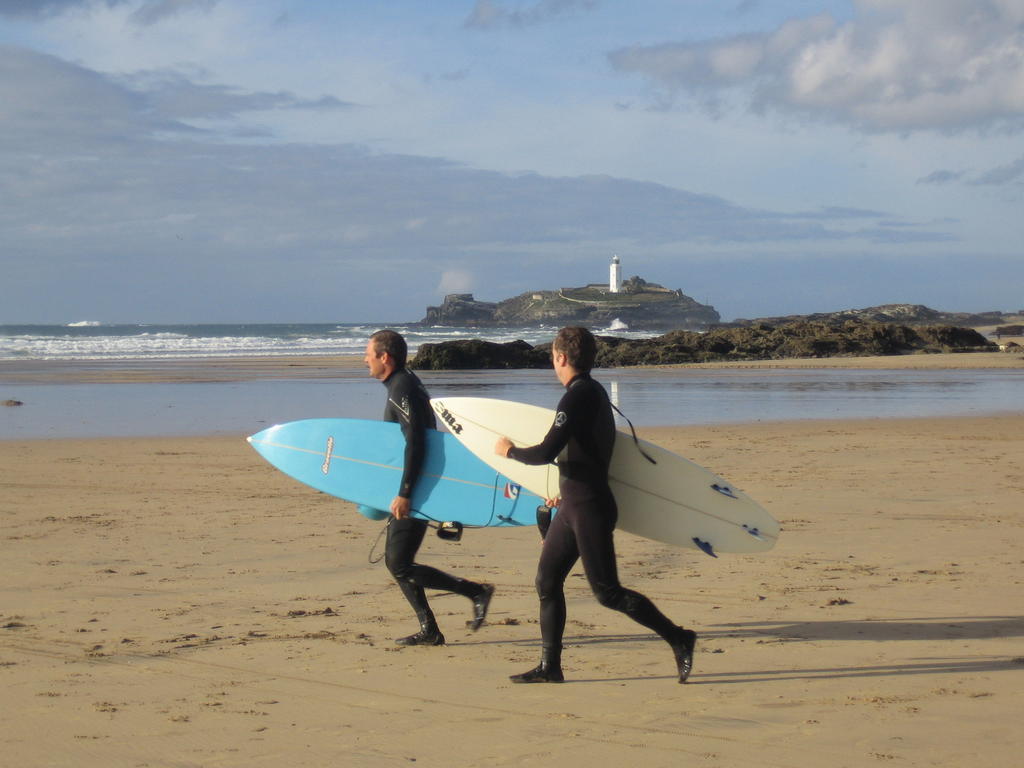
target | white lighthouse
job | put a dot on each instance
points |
(615, 276)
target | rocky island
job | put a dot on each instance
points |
(634, 303)
(693, 331)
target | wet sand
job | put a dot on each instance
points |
(179, 602)
(346, 366)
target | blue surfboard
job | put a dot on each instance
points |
(361, 461)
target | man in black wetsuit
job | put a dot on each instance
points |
(587, 514)
(409, 405)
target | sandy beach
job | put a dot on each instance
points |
(177, 601)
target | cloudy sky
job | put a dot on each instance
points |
(355, 160)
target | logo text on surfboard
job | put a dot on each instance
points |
(326, 466)
(449, 419)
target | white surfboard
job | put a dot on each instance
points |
(671, 500)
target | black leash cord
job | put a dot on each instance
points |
(635, 439)
(437, 525)
(376, 541)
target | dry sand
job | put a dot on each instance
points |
(177, 602)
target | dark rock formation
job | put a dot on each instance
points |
(475, 353)
(903, 314)
(802, 339)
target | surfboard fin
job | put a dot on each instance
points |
(755, 532)
(704, 546)
(725, 490)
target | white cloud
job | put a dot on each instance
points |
(944, 65)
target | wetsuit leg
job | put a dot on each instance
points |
(557, 558)
(403, 541)
(594, 537)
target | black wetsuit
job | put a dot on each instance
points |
(409, 405)
(585, 428)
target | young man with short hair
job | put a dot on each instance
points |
(408, 404)
(585, 427)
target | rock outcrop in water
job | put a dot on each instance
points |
(903, 314)
(471, 354)
(801, 339)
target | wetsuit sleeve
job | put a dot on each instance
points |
(415, 451)
(412, 419)
(557, 437)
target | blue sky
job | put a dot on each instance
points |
(269, 161)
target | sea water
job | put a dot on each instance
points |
(647, 396)
(87, 340)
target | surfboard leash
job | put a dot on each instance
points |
(447, 530)
(376, 541)
(633, 430)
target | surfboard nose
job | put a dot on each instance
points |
(263, 436)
